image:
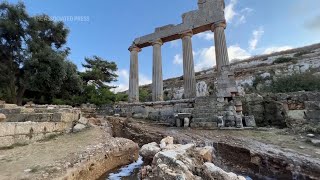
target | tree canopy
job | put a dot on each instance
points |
(34, 63)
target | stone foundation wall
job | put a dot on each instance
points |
(299, 110)
(24, 125)
(156, 111)
(21, 133)
(57, 114)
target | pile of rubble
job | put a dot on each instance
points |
(176, 161)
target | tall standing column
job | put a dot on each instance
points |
(134, 74)
(157, 81)
(222, 58)
(188, 66)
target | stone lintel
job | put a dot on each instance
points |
(200, 20)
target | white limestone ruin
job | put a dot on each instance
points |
(209, 16)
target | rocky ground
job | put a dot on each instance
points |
(84, 155)
(91, 152)
(259, 152)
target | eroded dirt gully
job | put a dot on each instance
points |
(261, 154)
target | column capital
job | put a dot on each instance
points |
(187, 33)
(158, 41)
(134, 47)
(219, 24)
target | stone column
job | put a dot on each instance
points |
(188, 67)
(222, 58)
(157, 81)
(134, 74)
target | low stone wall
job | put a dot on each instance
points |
(156, 111)
(295, 110)
(24, 125)
(21, 133)
(22, 114)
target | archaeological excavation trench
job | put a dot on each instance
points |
(239, 155)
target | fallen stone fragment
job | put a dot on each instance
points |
(210, 171)
(78, 127)
(83, 121)
(206, 153)
(148, 151)
(310, 135)
(2, 117)
(166, 141)
(315, 142)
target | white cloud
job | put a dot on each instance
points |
(123, 80)
(231, 14)
(237, 53)
(229, 10)
(177, 59)
(206, 36)
(256, 36)
(143, 80)
(276, 49)
(206, 58)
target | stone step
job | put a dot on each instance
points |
(206, 125)
(199, 119)
(199, 111)
(206, 115)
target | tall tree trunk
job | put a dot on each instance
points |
(20, 94)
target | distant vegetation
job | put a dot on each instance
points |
(280, 60)
(307, 81)
(34, 63)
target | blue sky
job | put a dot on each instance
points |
(254, 27)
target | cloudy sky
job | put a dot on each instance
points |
(107, 27)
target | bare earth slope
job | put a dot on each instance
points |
(72, 156)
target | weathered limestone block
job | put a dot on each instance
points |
(250, 121)
(210, 171)
(148, 151)
(312, 105)
(206, 153)
(2, 117)
(186, 122)
(8, 106)
(166, 141)
(312, 114)
(78, 127)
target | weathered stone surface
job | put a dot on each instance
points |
(210, 171)
(148, 151)
(250, 121)
(206, 153)
(78, 127)
(2, 117)
(315, 142)
(83, 121)
(166, 141)
(209, 11)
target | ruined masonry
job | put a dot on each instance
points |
(223, 108)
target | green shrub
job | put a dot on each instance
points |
(58, 102)
(296, 82)
(144, 95)
(280, 60)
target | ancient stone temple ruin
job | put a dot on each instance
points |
(222, 108)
